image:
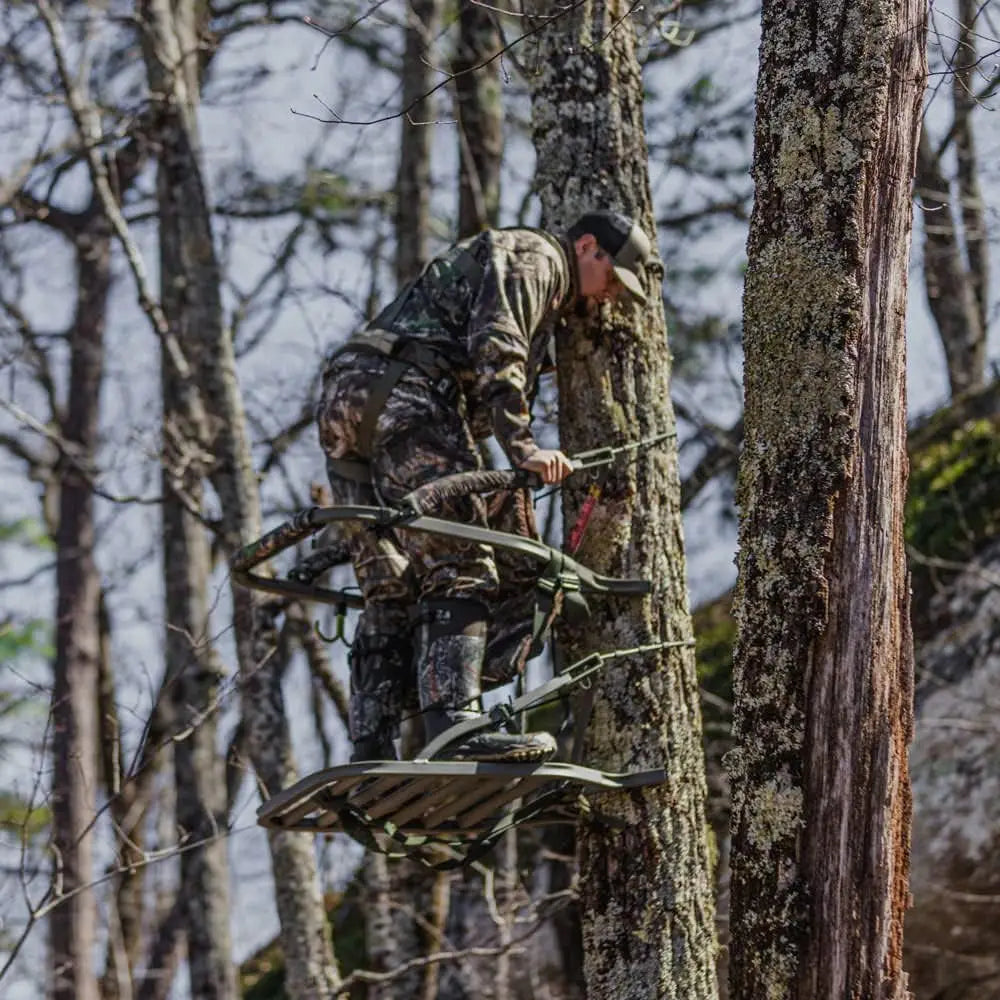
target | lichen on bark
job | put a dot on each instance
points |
(823, 664)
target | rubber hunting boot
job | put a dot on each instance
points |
(381, 661)
(451, 647)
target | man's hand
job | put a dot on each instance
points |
(548, 463)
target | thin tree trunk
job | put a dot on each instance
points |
(823, 662)
(969, 193)
(164, 956)
(505, 886)
(128, 815)
(193, 673)
(559, 843)
(130, 807)
(950, 294)
(479, 98)
(645, 889)
(390, 929)
(193, 685)
(172, 66)
(75, 747)
(413, 187)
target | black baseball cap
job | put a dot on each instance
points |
(624, 241)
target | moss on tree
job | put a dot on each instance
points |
(952, 513)
(953, 508)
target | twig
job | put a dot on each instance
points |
(337, 119)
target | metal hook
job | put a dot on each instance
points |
(339, 635)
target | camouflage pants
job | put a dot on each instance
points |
(422, 435)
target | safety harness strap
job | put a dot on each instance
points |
(401, 354)
(377, 395)
(356, 471)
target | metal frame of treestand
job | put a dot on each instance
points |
(445, 812)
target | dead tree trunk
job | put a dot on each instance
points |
(950, 292)
(645, 890)
(823, 663)
(194, 675)
(972, 206)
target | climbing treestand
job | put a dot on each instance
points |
(443, 812)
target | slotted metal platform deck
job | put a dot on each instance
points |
(453, 801)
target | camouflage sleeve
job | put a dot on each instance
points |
(520, 289)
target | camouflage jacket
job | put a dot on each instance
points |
(492, 322)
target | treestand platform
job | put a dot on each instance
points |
(406, 805)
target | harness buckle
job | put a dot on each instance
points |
(503, 717)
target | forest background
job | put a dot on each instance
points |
(333, 164)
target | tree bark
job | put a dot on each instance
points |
(478, 97)
(645, 890)
(823, 662)
(75, 749)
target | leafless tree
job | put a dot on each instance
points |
(956, 249)
(479, 104)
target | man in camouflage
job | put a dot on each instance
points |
(454, 359)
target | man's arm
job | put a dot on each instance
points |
(519, 291)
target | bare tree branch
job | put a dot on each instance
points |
(87, 122)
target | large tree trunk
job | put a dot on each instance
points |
(478, 97)
(171, 46)
(823, 663)
(645, 889)
(78, 593)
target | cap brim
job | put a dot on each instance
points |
(631, 282)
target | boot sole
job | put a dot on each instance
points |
(525, 756)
